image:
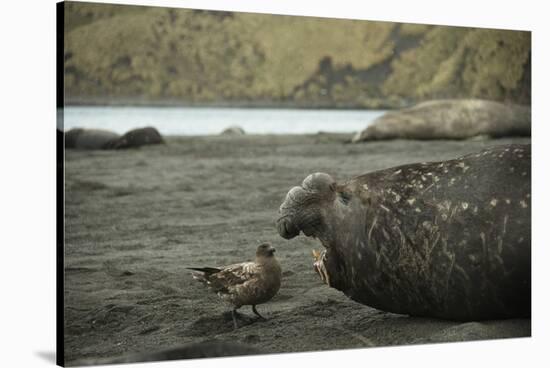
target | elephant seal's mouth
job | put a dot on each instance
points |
(286, 228)
(304, 211)
(325, 262)
(319, 258)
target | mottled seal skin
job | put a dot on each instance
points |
(89, 139)
(136, 138)
(233, 130)
(450, 119)
(447, 239)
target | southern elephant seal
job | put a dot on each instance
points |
(89, 139)
(136, 138)
(447, 239)
(233, 130)
(450, 119)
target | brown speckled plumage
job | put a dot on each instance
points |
(247, 283)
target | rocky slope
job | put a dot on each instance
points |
(137, 54)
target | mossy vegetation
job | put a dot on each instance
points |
(137, 54)
(450, 61)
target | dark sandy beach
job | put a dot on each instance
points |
(136, 219)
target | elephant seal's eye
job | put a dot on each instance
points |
(344, 197)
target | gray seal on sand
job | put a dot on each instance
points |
(89, 139)
(450, 119)
(136, 138)
(233, 130)
(448, 239)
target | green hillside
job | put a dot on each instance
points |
(133, 54)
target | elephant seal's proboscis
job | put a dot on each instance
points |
(448, 239)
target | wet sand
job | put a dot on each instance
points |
(136, 219)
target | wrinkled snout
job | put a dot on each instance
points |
(288, 210)
(300, 209)
(319, 182)
(286, 228)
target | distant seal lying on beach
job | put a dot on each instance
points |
(450, 119)
(233, 130)
(447, 239)
(93, 139)
(89, 139)
(136, 138)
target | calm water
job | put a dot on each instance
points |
(204, 121)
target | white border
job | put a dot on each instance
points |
(28, 180)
